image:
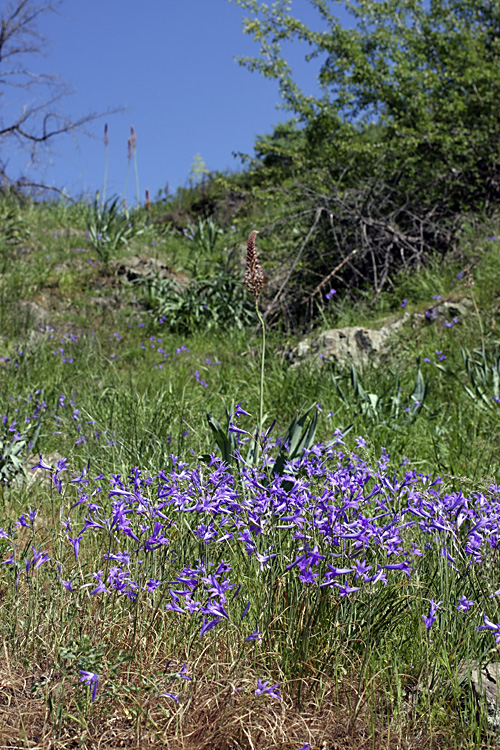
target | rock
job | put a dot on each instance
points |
(484, 684)
(37, 317)
(354, 345)
(137, 268)
(444, 311)
(106, 303)
(28, 478)
(359, 346)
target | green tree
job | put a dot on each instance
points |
(428, 72)
(405, 134)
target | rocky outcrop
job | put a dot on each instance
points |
(483, 684)
(359, 346)
(137, 268)
(443, 312)
(351, 344)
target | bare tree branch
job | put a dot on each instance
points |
(35, 119)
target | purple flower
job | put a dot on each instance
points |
(38, 559)
(404, 567)
(151, 585)
(330, 294)
(234, 428)
(429, 621)
(182, 673)
(41, 465)
(21, 521)
(264, 688)
(488, 625)
(404, 303)
(92, 679)
(208, 626)
(76, 544)
(346, 589)
(464, 604)
(238, 411)
(171, 695)
(199, 379)
(265, 558)
(99, 589)
(255, 636)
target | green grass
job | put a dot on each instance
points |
(107, 384)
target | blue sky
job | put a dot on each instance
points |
(171, 64)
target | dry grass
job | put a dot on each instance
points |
(41, 709)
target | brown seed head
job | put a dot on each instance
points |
(254, 275)
(148, 202)
(106, 137)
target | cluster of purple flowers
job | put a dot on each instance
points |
(330, 522)
(439, 356)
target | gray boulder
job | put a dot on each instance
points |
(351, 344)
(483, 684)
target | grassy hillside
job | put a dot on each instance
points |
(152, 593)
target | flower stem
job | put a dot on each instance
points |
(262, 361)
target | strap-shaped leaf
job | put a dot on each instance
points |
(298, 438)
(420, 390)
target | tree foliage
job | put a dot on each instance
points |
(405, 134)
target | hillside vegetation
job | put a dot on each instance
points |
(207, 540)
(214, 604)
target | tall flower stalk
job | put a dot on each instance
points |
(133, 141)
(106, 160)
(129, 159)
(254, 281)
(132, 154)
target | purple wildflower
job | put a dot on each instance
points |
(92, 679)
(488, 625)
(208, 626)
(238, 411)
(171, 695)
(41, 465)
(255, 636)
(429, 621)
(264, 688)
(464, 604)
(76, 544)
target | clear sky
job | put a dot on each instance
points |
(171, 64)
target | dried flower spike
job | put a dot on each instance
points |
(148, 202)
(133, 138)
(254, 275)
